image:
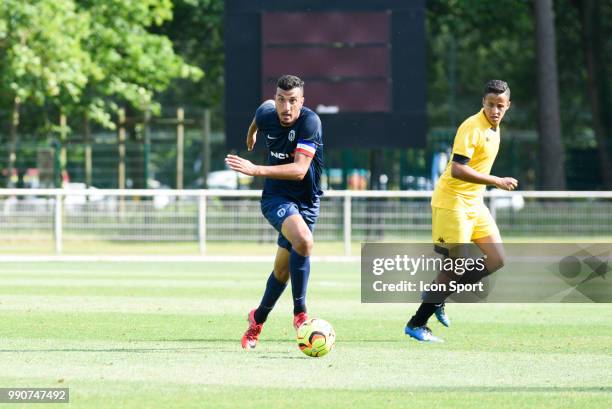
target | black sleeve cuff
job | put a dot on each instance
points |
(460, 159)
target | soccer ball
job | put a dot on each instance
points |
(316, 337)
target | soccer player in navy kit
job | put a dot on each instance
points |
(290, 198)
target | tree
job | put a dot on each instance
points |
(592, 12)
(130, 64)
(470, 42)
(196, 32)
(87, 56)
(552, 167)
(41, 58)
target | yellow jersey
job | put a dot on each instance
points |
(478, 140)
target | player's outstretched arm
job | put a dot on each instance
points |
(290, 171)
(468, 174)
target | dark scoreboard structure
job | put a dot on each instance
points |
(363, 62)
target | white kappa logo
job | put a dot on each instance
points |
(291, 135)
(281, 212)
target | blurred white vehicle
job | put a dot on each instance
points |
(228, 179)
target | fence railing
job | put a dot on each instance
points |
(205, 216)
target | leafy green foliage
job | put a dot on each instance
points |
(470, 42)
(496, 40)
(87, 55)
(41, 57)
(197, 34)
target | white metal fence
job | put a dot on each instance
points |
(220, 215)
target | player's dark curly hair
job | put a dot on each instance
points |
(496, 87)
(288, 82)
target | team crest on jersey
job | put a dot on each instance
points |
(291, 136)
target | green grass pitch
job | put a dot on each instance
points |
(167, 335)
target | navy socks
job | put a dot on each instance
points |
(299, 266)
(274, 289)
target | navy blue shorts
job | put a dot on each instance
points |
(277, 209)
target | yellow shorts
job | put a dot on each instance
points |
(461, 226)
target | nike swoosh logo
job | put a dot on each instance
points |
(269, 137)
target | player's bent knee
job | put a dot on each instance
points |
(303, 244)
(496, 263)
(502, 262)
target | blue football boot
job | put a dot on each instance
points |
(422, 333)
(441, 316)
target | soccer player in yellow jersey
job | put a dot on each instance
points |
(459, 214)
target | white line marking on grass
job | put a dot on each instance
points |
(206, 305)
(164, 259)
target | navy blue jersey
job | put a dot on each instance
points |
(304, 136)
